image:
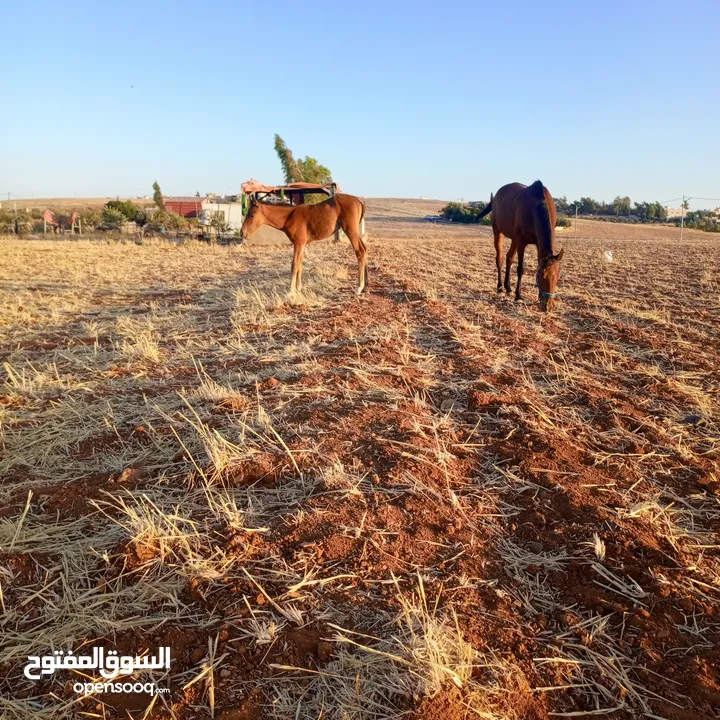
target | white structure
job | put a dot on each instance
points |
(232, 212)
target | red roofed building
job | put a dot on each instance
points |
(189, 206)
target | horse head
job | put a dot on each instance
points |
(548, 275)
(253, 220)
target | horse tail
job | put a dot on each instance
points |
(362, 217)
(487, 209)
(541, 214)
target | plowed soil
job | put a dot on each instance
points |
(426, 502)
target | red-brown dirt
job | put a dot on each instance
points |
(266, 484)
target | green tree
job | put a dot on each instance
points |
(164, 220)
(111, 216)
(90, 218)
(587, 206)
(217, 221)
(291, 171)
(158, 196)
(129, 210)
(561, 205)
(660, 211)
(621, 205)
(307, 170)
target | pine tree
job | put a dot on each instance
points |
(306, 170)
(158, 196)
(290, 168)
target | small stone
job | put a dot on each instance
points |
(130, 475)
(260, 599)
(535, 547)
(197, 655)
(324, 650)
(449, 404)
(225, 673)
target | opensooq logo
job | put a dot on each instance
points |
(109, 664)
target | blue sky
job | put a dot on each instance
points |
(402, 99)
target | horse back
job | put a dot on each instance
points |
(508, 210)
(514, 210)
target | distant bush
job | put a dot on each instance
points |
(165, 220)
(8, 224)
(460, 213)
(130, 211)
(111, 216)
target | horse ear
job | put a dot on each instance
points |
(558, 257)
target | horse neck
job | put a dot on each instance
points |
(276, 215)
(544, 232)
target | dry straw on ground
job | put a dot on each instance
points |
(428, 503)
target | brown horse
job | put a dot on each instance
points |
(305, 223)
(527, 216)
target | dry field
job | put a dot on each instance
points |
(429, 503)
(43, 203)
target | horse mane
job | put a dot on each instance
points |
(543, 226)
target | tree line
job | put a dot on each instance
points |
(620, 207)
(461, 213)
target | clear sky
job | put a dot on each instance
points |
(404, 99)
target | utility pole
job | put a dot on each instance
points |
(576, 228)
(682, 217)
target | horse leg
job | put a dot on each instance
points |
(296, 276)
(361, 254)
(508, 264)
(521, 269)
(498, 255)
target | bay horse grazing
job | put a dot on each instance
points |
(527, 216)
(305, 223)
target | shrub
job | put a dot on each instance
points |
(460, 213)
(111, 216)
(129, 210)
(563, 221)
(164, 220)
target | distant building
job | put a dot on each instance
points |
(674, 212)
(189, 206)
(192, 206)
(231, 211)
